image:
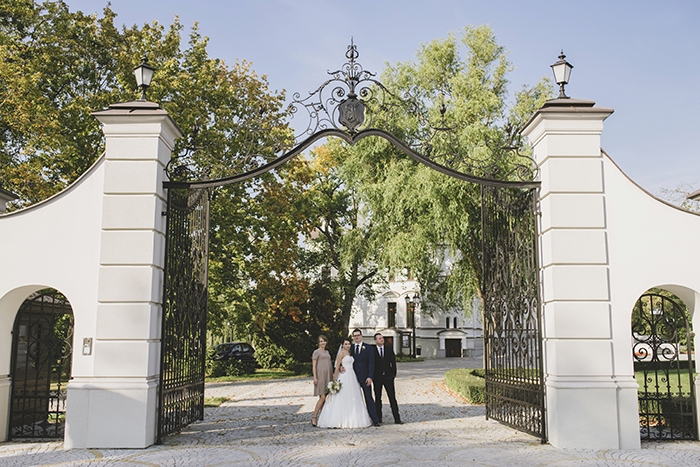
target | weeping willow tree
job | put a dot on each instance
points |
(461, 116)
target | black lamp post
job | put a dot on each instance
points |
(562, 71)
(415, 300)
(144, 75)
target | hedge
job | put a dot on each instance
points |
(468, 382)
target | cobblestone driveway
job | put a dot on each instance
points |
(268, 423)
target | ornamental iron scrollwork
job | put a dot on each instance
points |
(512, 321)
(662, 344)
(342, 101)
(42, 347)
(183, 342)
(352, 105)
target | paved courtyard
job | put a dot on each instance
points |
(268, 424)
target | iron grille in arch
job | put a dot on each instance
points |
(183, 344)
(42, 343)
(664, 368)
(512, 321)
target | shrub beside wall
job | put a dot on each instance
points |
(469, 383)
(272, 356)
(230, 367)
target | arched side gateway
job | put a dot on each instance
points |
(348, 106)
(42, 347)
(664, 365)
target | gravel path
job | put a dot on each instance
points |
(268, 423)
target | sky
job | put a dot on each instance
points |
(639, 57)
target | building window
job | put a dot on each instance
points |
(447, 323)
(410, 314)
(455, 322)
(391, 315)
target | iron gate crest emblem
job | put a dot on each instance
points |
(351, 113)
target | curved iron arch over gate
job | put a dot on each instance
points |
(353, 105)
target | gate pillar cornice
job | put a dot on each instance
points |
(588, 403)
(113, 399)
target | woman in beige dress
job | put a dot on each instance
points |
(323, 373)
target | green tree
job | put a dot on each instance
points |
(58, 66)
(266, 291)
(338, 244)
(422, 218)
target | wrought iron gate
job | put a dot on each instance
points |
(664, 368)
(352, 105)
(42, 343)
(183, 342)
(512, 322)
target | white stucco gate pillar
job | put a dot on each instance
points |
(112, 398)
(588, 405)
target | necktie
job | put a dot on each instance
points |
(381, 352)
(357, 348)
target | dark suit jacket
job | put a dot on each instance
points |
(384, 368)
(364, 362)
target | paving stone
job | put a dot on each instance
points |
(268, 424)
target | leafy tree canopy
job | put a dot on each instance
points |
(424, 219)
(58, 66)
(289, 250)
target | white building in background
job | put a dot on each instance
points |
(445, 333)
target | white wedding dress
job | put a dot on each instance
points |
(346, 408)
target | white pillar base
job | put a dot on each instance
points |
(111, 413)
(5, 394)
(592, 413)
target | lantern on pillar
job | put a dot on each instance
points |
(144, 75)
(562, 70)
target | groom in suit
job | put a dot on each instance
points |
(364, 370)
(384, 374)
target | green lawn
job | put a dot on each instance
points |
(214, 401)
(685, 381)
(259, 375)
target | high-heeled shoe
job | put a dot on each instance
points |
(314, 420)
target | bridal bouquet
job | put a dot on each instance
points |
(333, 387)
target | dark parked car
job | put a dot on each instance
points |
(236, 350)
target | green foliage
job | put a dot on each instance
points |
(58, 66)
(468, 383)
(261, 374)
(420, 217)
(303, 369)
(229, 367)
(214, 401)
(361, 211)
(274, 356)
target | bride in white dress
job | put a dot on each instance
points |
(346, 408)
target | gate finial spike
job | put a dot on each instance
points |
(352, 53)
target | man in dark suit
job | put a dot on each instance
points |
(364, 370)
(384, 374)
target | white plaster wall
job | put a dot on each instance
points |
(101, 243)
(55, 244)
(603, 242)
(652, 244)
